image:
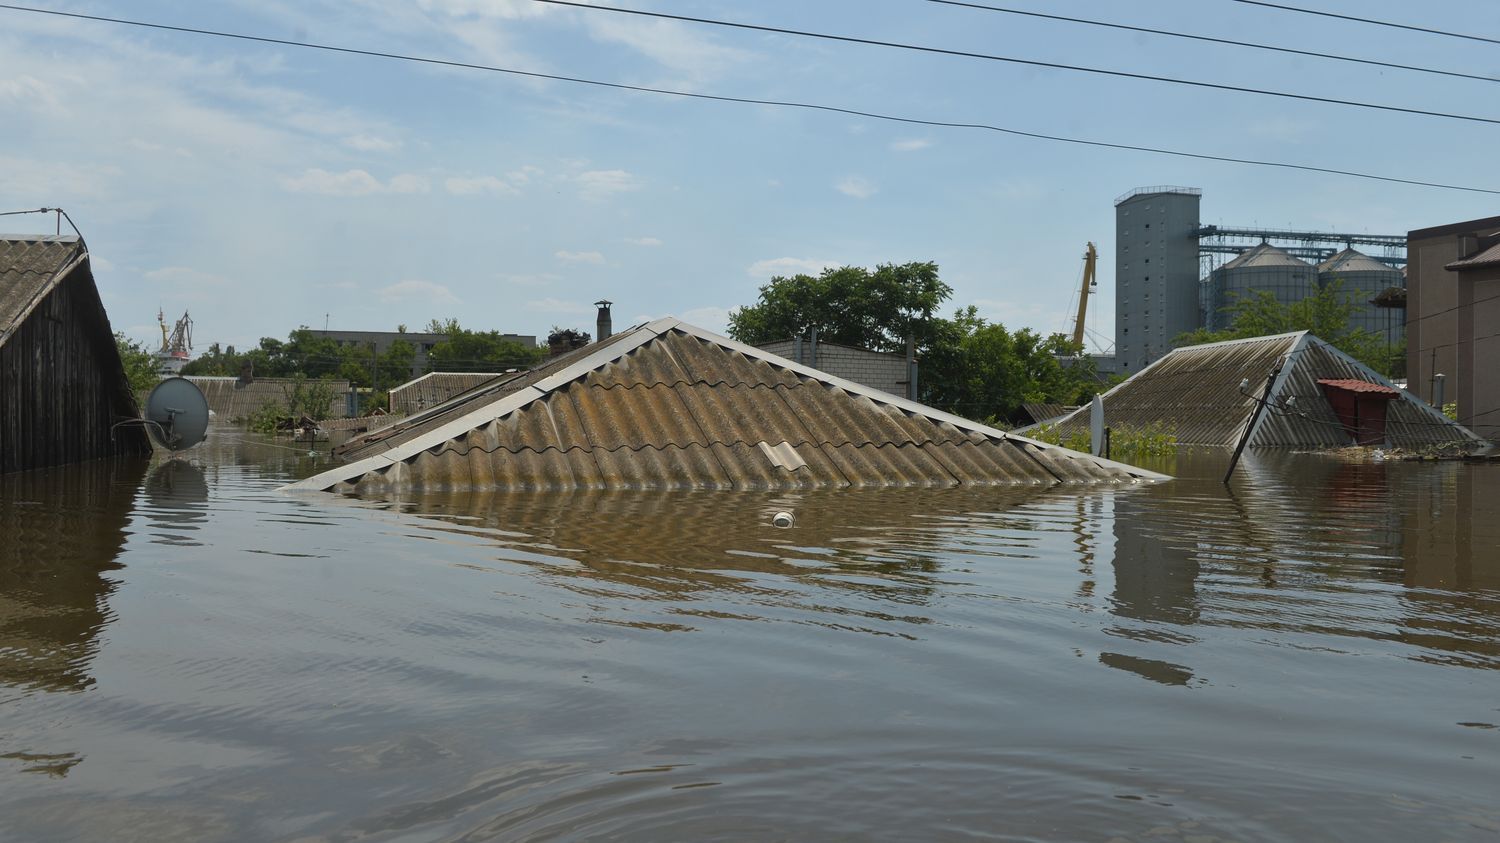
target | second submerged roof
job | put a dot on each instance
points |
(669, 405)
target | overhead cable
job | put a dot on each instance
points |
(1077, 68)
(1211, 40)
(946, 124)
(1371, 21)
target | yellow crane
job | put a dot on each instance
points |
(1090, 258)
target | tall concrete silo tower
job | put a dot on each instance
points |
(1263, 268)
(1361, 279)
(1156, 272)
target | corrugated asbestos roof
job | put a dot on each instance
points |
(1265, 255)
(1041, 412)
(30, 267)
(435, 388)
(668, 406)
(1352, 260)
(1195, 393)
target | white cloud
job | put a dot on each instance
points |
(551, 305)
(788, 266)
(183, 276)
(371, 143)
(643, 241)
(713, 318)
(1014, 315)
(531, 280)
(480, 184)
(524, 174)
(27, 182)
(578, 257)
(352, 183)
(597, 185)
(153, 147)
(858, 187)
(28, 91)
(425, 291)
(502, 9)
(910, 144)
(668, 43)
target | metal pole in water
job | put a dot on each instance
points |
(1260, 405)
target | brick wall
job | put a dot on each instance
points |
(876, 369)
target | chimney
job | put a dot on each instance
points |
(604, 327)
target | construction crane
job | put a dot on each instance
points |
(1090, 258)
(176, 347)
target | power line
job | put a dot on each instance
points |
(946, 124)
(849, 39)
(1371, 21)
(1211, 40)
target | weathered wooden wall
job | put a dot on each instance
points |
(62, 385)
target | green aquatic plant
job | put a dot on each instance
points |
(1126, 443)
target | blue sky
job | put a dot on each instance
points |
(262, 187)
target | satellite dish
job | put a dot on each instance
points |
(178, 414)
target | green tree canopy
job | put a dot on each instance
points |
(477, 351)
(969, 367)
(140, 364)
(849, 305)
(1326, 314)
(980, 370)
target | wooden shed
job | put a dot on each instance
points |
(62, 384)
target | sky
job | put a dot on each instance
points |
(264, 187)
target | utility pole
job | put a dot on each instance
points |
(1260, 405)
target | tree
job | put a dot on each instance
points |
(477, 351)
(849, 305)
(980, 370)
(969, 367)
(140, 364)
(1326, 314)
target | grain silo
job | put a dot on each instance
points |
(1362, 278)
(1263, 268)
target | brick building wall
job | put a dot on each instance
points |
(876, 369)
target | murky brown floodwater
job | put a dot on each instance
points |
(186, 654)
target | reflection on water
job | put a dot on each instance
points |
(60, 532)
(186, 654)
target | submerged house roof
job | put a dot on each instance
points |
(1194, 392)
(434, 388)
(668, 405)
(63, 386)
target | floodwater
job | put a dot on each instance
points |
(187, 654)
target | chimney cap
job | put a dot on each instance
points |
(603, 303)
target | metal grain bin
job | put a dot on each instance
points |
(1362, 278)
(1263, 268)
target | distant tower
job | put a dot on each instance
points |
(1156, 272)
